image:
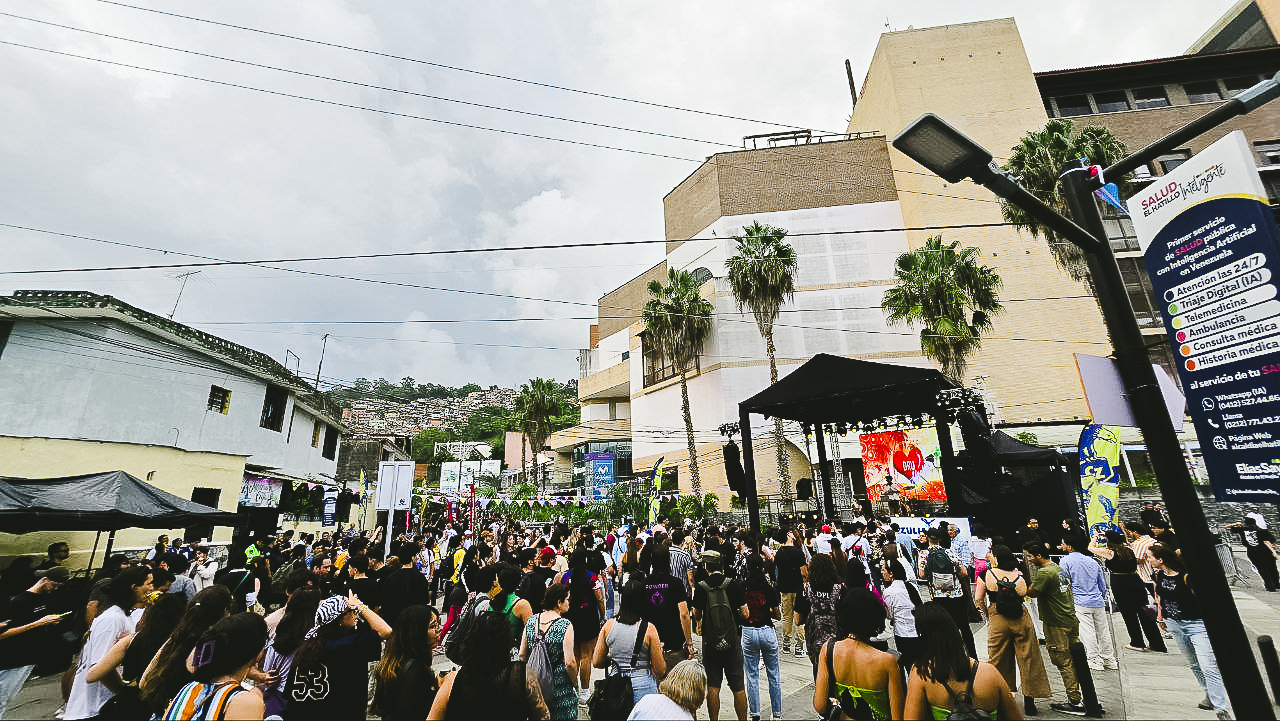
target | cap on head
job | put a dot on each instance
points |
(57, 574)
(826, 528)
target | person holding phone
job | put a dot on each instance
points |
(31, 630)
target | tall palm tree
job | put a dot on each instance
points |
(943, 289)
(537, 405)
(762, 276)
(678, 319)
(1038, 159)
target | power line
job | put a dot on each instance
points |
(369, 86)
(451, 67)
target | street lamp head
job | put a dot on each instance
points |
(1260, 94)
(933, 143)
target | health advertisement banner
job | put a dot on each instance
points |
(1100, 476)
(601, 465)
(909, 459)
(1209, 241)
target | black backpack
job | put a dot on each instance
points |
(719, 627)
(962, 708)
(1008, 602)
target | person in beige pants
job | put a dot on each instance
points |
(1011, 636)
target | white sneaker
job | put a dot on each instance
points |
(584, 697)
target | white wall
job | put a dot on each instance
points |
(57, 384)
(611, 348)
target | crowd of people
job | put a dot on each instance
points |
(347, 625)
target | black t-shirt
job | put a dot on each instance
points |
(761, 599)
(737, 596)
(411, 696)
(1167, 539)
(338, 687)
(1255, 537)
(663, 595)
(789, 560)
(406, 587)
(25, 649)
(534, 584)
(366, 589)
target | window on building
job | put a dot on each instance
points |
(273, 408)
(1268, 152)
(205, 497)
(1141, 296)
(1152, 97)
(656, 366)
(219, 399)
(315, 434)
(1142, 174)
(1161, 354)
(1203, 92)
(1235, 86)
(1069, 105)
(1120, 231)
(1168, 162)
(1271, 181)
(1111, 102)
(330, 449)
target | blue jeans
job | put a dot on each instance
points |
(11, 680)
(642, 684)
(755, 643)
(1194, 642)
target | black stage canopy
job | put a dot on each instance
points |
(97, 502)
(832, 389)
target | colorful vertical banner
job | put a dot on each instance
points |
(1100, 476)
(600, 465)
(655, 482)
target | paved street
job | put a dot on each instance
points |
(1147, 686)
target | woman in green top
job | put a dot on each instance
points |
(853, 672)
(945, 670)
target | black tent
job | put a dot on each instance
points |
(97, 502)
(1035, 481)
(834, 389)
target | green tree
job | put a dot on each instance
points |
(762, 275)
(944, 290)
(1037, 161)
(537, 405)
(678, 321)
(424, 443)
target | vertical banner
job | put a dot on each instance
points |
(330, 507)
(1211, 249)
(600, 466)
(655, 481)
(1100, 477)
(450, 477)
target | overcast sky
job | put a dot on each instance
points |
(132, 156)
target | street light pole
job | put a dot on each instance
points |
(953, 156)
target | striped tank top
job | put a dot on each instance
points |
(201, 702)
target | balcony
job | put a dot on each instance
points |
(603, 375)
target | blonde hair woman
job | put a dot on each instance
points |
(682, 693)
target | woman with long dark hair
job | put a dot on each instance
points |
(1178, 609)
(1011, 637)
(586, 608)
(299, 614)
(489, 684)
(1130, 593)
(945, 673)
(133, 652)
(167, 672)
(865, 681)
(128, 593)
(555, 633)
(760, 638)
(329, 678)
(222, 659)
(618, 642)
(404, 686)
(816, 606)
(901, 599)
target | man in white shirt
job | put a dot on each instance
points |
(822, 543)
(202, 570)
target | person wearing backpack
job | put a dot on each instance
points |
(719, 607)
(1011, 637)
(947, 683)
(547, 649)
(942, 572)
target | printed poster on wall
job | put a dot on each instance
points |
(470, 472)
(1211, 249)
(909, 459)
(491, 468)
(258, 492)
(1100, 477)
(450, 477)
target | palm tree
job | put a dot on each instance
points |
(943, 289)
(1038, 159)
(762, 276)
(537, 405)
(678, 320)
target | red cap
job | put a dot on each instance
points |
(826, 529)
